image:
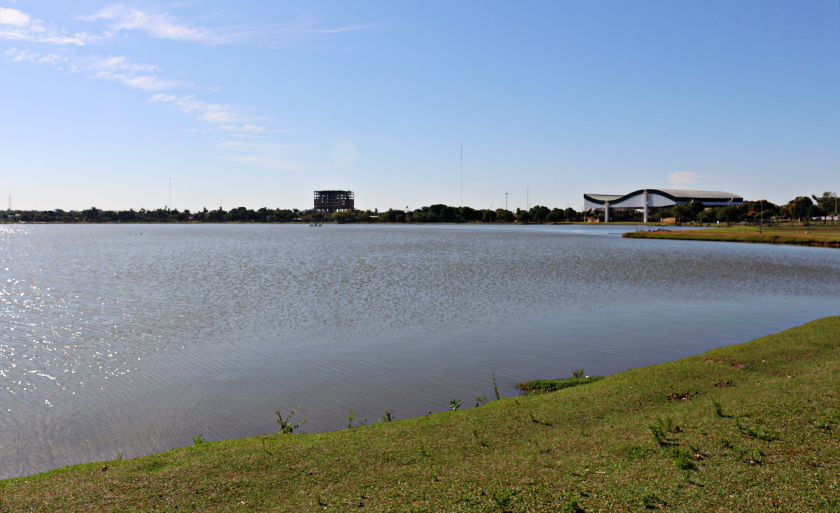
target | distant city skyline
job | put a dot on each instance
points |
(260, 104)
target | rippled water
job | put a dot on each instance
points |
(134, 339)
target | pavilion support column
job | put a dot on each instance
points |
(606, 211)
(646, 206)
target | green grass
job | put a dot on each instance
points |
(750, 427)
(543, 386)
(814, 235)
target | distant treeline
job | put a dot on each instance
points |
(800, 208)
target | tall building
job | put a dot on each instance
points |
(332, 201)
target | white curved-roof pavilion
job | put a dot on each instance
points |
(658, 198)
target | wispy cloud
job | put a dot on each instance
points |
(121, 64)
(133, 74)
(16, 55)
(17, 25)
(225, 115)
(157, 25)
(683, 178)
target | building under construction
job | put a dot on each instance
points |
(333, 201)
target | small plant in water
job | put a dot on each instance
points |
(350, 417)
(119, 455)
(386, 417)
(578, 373)
(482, 399)
(495, 388)
(454, 404)
(196, 440)
(286, 426)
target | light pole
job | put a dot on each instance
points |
(506, 201)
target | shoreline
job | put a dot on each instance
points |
(820, 236)
(705, 430)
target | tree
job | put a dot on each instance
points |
(524, 217)
(708, 216)
(555, 216)
(800, 207)
(539, 213)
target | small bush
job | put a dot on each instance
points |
(683, 461)
(286, 426)
(196, 440)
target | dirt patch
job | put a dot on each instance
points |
(685, 396)
(726, 383)
(737, 365)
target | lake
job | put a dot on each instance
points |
(133, 339)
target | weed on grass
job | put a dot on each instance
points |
(571, 505)
(196, 440)
(661, 429)
(454, 404)
(719, 410)
(682, 460)
(503, 498)
(479, 440)
(535, 420)
(650, 500)
(495, 387)
(757, 431)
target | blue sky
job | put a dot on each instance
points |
(260, 103)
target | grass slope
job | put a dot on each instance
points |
(750, 427)
(814, 235)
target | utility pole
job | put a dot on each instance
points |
(170, 193)
(527, 199)
(10, 200)
(462, 174)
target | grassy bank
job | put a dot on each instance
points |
(814, 235)
(750, 427)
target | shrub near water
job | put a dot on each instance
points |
(772, 446)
